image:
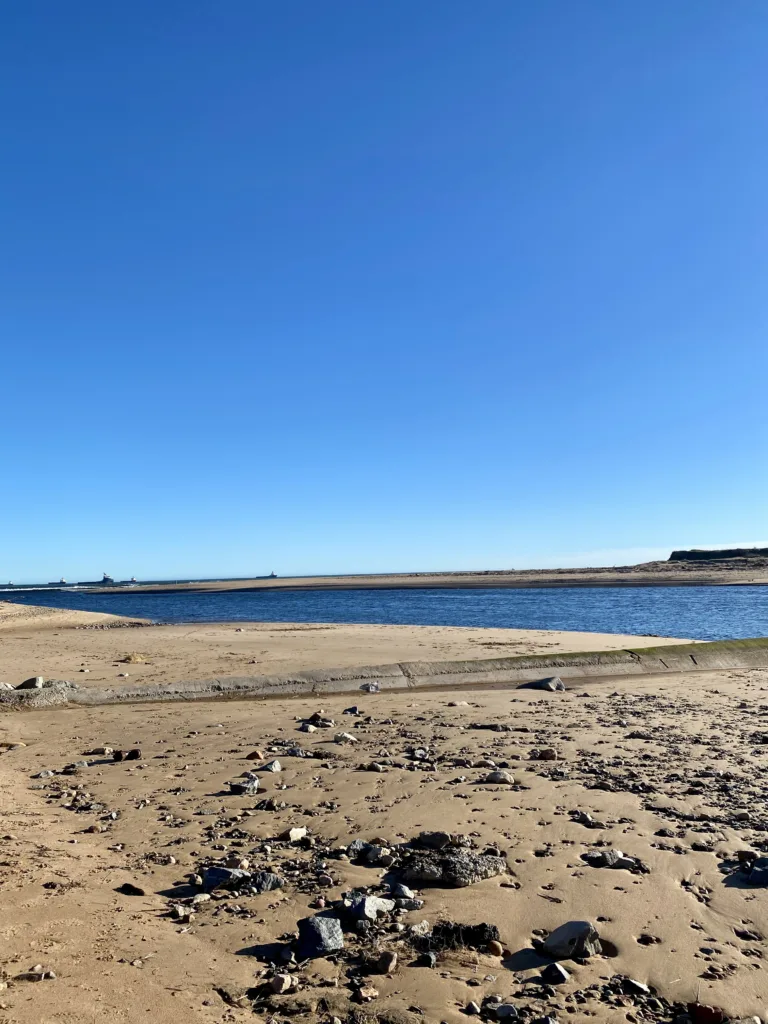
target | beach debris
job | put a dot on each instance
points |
(445, 935)
(552, 684)
(319, 935)
(129, 889)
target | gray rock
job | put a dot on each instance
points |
(265, 881)
(218, 877)
(434, 840)
(244, 787)
(271, 766)
(499, 778)
(319, 936)
(551, 685)
(402, 892)
(409, 905)
(451, 868)
(370, 908)
(554, 974)
(506, 1011)
(573, 940)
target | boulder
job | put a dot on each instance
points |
(451, 868)
(319, 936)
(574, 940)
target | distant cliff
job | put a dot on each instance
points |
(697, 555)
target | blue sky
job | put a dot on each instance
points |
(353, 287)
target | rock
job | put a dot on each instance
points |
(133, 755)
(409, 905)
(366, 994)
(499, 779)
(612, 858)
(756, 870)
(255, 755)
(428, 959)
(495, 948)
(354, 710)
(402, 892)
(33, 683)
(635, 988)
(294, 835)
(345, 737)
(307, 727)
(550, 685)
(129, 889)
(265, 881)
(420, 930)
(584, 818)
(244, 787)
(573, 940)
(387, 962)
(271, 766)
(545, 754)
(282, 983)
(433, 840)
(374, 766)
(554, 974)
(319, 936)
(451, 868)
(218, 877)
(472, 1009)
(506, 1011)
(370, 908)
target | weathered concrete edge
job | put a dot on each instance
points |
(727, 654)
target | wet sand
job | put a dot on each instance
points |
(60, 644)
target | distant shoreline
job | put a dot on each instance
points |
(728, 572)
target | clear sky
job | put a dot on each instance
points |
(342, 286)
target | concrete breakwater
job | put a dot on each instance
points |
(683, 658)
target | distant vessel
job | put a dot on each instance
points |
(105, 581)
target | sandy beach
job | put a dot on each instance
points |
(639, 768)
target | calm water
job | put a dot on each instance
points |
(701, 613)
